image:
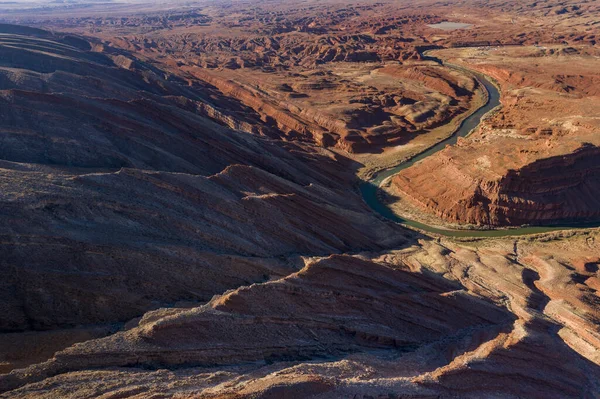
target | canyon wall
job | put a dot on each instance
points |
(557, 189)
(120, 195)
(534, 160)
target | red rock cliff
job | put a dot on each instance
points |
(548, 190)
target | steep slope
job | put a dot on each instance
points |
(119, 194)
(332, 307)
(505, 318)
(534, 161)
(169, 229)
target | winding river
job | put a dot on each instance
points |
(370, 190)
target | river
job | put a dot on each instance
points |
(370, 190)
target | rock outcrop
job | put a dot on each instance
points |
(559, 189)
(534, 161)
(332, 307)
(509, 317)
(119, 195)
(179, 215)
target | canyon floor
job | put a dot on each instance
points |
(181, 213)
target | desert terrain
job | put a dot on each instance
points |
(184, 211)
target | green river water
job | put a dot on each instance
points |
(370, 189)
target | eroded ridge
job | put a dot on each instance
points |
(181, 215)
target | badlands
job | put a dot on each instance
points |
(183, 209)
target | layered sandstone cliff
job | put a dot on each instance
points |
(558, 189)
(171, 235)
(511, 318)
(534, 161)
(119, 195)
